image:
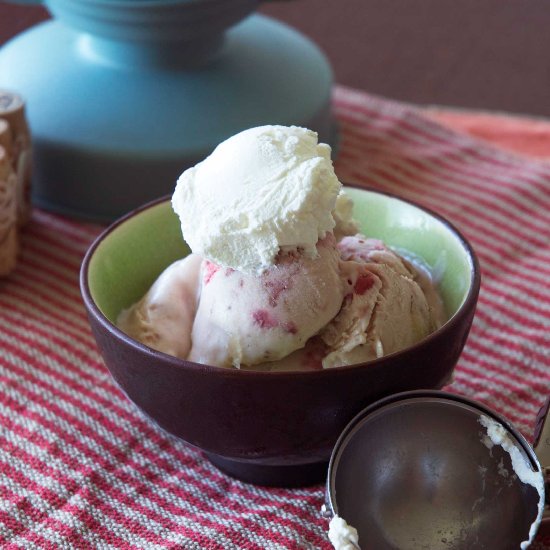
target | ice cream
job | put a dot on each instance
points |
(262, 191)
(386, 309)
(279, 278)
(163, 318)
(342, 535)
(251, 319)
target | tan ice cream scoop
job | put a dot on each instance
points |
(163, 318)
(386, 308)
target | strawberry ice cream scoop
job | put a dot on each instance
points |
(247, 319)
(385, 309)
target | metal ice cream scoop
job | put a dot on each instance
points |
(433, 470)
(542, 449)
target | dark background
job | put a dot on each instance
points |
(489, 54)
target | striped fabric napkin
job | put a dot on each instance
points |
(80, 467)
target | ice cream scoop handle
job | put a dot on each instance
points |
(541, 443)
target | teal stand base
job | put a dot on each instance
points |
(114, 124)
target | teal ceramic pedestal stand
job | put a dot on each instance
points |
(123, 95)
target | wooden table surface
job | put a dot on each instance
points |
(488, 54)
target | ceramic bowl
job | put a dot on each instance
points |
(272, 428)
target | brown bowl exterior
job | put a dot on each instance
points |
(250, 419)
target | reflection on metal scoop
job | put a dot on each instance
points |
(433, 470)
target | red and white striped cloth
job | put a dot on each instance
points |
(80, 467)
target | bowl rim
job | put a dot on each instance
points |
(94, 311)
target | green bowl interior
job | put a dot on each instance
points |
(134, 253)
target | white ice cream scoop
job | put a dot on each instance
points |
(263, 190)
